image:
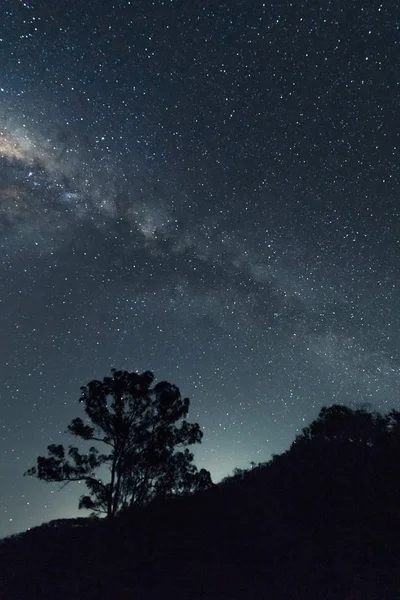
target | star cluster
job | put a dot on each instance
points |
(208, 190)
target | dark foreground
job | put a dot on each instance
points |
(321, 521)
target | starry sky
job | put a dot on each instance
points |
(206, 189)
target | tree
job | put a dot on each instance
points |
(146, 437)
(341, 424)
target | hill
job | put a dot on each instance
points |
(321, 521)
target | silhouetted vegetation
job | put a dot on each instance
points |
(320, 521)
(136, 424)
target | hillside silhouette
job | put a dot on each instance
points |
(320, 521)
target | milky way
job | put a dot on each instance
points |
(210, 192)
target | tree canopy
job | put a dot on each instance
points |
(359, 426)
(145, 437)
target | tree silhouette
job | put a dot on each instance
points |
(341, 424)
(144, 431)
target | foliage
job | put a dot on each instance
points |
(145, 436)
(339, 423)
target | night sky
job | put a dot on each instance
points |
(205, 189)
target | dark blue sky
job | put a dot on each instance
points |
(208, 190)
